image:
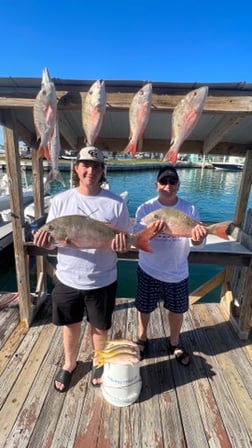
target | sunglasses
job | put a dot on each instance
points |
(168, 180)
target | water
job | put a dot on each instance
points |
(214, 193)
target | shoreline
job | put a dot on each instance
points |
(119, 165)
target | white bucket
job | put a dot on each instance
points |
(121, 384)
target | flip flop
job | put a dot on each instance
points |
(97, 373)
(64, 377)
(180, 354)
(143, 346)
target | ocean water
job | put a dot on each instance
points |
(214, 193)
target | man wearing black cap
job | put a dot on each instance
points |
(86, 279)
(164, 272)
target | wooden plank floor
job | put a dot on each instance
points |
(205, 405)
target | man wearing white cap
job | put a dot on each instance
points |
(86, 279)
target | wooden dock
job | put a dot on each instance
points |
(208, 404)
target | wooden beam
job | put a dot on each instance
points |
(207, 287)
(224, 126)
(162, 145)
(120, 100)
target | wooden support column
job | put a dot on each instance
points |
(240, 301)
(17, 213)
(38, 195)
(245, 319)
(244, 192)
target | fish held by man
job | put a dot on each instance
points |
(83, 232)
(93, 111)
(45, 114)
(139, 114)
(179, 224)
(184, 119)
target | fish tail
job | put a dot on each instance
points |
(55, 175)
(131, 148)
(141, 239)
(220, 229)
(171, 155)
(99, 359)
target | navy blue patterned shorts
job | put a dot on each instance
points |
(151, 290)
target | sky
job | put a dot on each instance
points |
(138, 40)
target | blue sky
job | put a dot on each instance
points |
(160, 40)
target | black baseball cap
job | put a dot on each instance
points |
(167, 171)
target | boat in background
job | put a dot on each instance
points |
(229, 164)
(29, 211)
(4, 193)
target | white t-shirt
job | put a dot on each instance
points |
(89, 268)
(169, 260)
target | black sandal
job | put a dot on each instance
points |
(97, 373)
(180, 354)
(64, 377)
(143, 346)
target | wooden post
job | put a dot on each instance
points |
(244, 192)
(17, 212)
(38, 195)
(245, 319)
(242, 276)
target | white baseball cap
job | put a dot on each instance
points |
(90, 153)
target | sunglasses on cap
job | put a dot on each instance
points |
(168, 180)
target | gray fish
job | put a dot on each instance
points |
(82, 232)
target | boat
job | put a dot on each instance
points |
(229, 164)
(4, 194)
(29, 211)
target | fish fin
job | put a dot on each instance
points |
(141, 239)
(44, 152)
(131, 148)
(220, 229)
(171, 155)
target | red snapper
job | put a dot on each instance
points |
(184, 119)
(180, 224)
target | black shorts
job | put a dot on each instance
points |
(70, 305)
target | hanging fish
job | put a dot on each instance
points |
(45, 114)
(184, 119)
(139, 114)
(93, 111)
(54, 152)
